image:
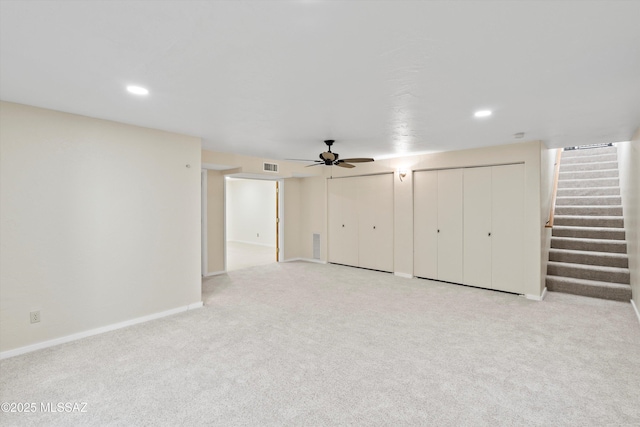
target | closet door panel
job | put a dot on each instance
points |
(450, 223)
(425, 224)
(508, 228)
(343, 232)
(375, 222)
(477, 227)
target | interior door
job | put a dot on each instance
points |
(508, 228)
(375, 222)
(343, 223)
(425, 224)
(450, 225)
(477, 227)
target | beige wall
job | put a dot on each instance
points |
(629, 163)
(100, 223)
(291, 219)
(215, 222)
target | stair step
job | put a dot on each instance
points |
(589, 272)
(588, 221)
(607, 233)
(608, 259)
(589, 288)
(598, 158)
(588, 200)
(588, 183)
(590, 191)
(590, 166)
(606, 173)
(589, 152)
(593, 245)
(603, 210)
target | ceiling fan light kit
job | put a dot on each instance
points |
(329, 158)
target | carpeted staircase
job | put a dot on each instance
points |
(588, 254)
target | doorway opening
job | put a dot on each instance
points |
(252, 219)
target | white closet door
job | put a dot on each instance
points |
(375, 222)
(343, 224)
(450, 223)
(425, 224)
(477, 227)
(508, 228)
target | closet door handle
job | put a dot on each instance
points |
(342, 225)
(438, 230)
(489, 234)
(374, 227)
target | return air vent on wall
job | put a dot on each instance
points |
(316, 246)
(270, 167)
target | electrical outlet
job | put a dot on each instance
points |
(35, 316)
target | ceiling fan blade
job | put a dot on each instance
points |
(315, 164)
(358, 160)
(342, 164)
(302, 160)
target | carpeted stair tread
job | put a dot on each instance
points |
(589, 272)
(589, 191)
(609, 233)
(589, 288)
(586, 152)
(588, 183)
(601, 210)
(597, 158)
(597, 174)
(588, 200)
(589, 221)
(608, 259)
(589, 166)
(595, 245)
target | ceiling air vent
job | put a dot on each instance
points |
(270, 167)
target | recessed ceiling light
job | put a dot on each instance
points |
(138, 90)
(483, 113)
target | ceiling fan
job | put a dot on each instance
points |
(328, 158)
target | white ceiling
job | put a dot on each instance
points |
(274, 79)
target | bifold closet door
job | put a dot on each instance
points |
(507, 226)
(450, 225)
(425, 224)
(477, 227)
(343, 224)
(375, 222)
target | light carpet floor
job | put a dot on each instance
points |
(242, 255)
(302, 344)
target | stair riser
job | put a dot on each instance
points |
(589, 152)
(589, 201)
(589, 210)
(583, 167)
(566, 270)
(592, 192)
(587, 258)
(578, 245)
(601, 158)
(588, 221)
(586, 233)
(588, 291)
(588, 183)
(613, 173)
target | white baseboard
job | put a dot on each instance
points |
(317, 261)
(635, 308)
(253, 243)
(405, 275)
(97, 331)
(215, 273)
(536, 297)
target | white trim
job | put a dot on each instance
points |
(405, 275)
(97, 331)
(215, 273)
(252, 243)
(535, 297)
(635, 308)
(317, 261)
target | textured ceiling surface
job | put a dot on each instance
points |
(274, 79)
